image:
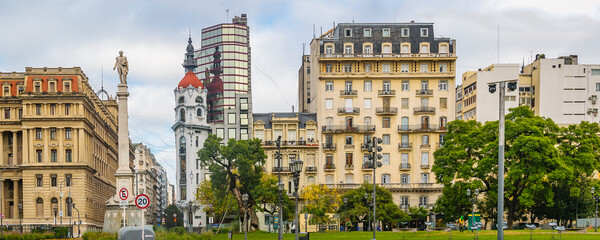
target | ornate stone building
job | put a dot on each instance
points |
(58, 145)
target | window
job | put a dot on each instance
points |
(443, 85)
(405, 179)
(348, 32)
(404, 202)
(368, 86)
(387, 87)
(37, 87)
(387, 49)
(367, 67)
(404, 123)
(443, 122)
(328, 68)
(424, 159)
(385, 67)
(53, 155)
(231, 118)
(38, 133)
(6, 91)
(67, 87)
(220, 133)
(404, 32)
(367, 50)
(348, 87)
(425, 140)
(329, 86)
(424, 32)
(39, 207)
(385, 123)
(328, 179)
(311, 180)
(443, 103)
(424, 48)
(291, 135)
(348, 49)
(443, 67)
(404, 67)
(442, 139)
(349, 159)
(405, 85)
(52, 109)
(181, 100)
(53, 181)
(7, 113)
(328, 121)
(310, 135)
(404, 103)
(68, 155)
(39, 182)
(367, 32)
(68, 109)
(199, 99)
(443, 48)
(68, 133)
(367, 121)
(424, 67)
(386, 139)
(52, 87)
(38, 109)
(231, 133)
(423, 201)
(52, 133)
(329, 103)
(259, 134)
(367, 103)
(20, 90)
(350, 178)
(385, 32)
(199, 112)
(367, 178)
(347, 67)
(595, 72)
(329, 49)
(385, 178)
(405, 48)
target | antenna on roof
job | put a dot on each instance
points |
(190, 32)
(227, 12)
(313, 30)
(352, 19)
(102, 91)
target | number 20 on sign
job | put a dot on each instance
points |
(142, 201)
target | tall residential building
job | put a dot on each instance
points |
(148, 180)
(557, 88)
(191, 130)
(224, 66)
(58, 149)
(304, 85)
(162, 202)
(299, 140)
(390, 80)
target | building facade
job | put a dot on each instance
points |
(394, 81)
(557, 88)
(224, 66)
(191, 130)
(58, 149)
(149, 177)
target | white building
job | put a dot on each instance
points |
(191, 130)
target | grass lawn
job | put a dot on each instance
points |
(438, 235)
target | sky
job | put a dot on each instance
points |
(153, 35)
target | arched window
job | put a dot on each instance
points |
(199, 99)
(69, 206)
(182, 115)
(39, 207)
(181, 100)
(443, 122)
(199, 112)
(54, 207)
(182, 145)
(311, 180)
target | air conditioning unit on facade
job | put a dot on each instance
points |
(593, 98)
(593, 111)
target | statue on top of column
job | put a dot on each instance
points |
(122, 67)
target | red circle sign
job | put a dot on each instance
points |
(123, 194)
(142, 201)
(1, 215)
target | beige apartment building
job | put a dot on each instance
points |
(58, 145)
(147, 181)
(394, 81)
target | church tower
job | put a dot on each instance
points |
(191, 130)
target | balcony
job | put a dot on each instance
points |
(329, 146)
(349, 167)
(291, 143)
(329, 167)
(392, 186)
(424, 92)
(386, 111)
(282, 169)
(348, 111)
(348, 129)
(349, 146)
(387, 55)
(404, 146)
(386, 93)
(348, 93)
(424, 110)
(404, 166)
(420, 128)
(311, 169)
(425, 166)
(364, 147)
(366, 166)
(425, 146)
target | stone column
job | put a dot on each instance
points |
(82, 144)
(75, 150)
(45, 150)
(60, 134)
(25, 147)
(16, 198)
(15, 148)
(124, 175)
(3, 209)
(2, 148)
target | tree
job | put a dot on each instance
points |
(237, 168)
(319, 202)
(267, 198)
(532, 163)
(172, 221)
(207, 197)
(358, 208)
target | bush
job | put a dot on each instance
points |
(178, 230)
(99, 236)
(61, 232)
(28, 236)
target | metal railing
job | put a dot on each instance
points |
(349, 167)
(404, 166)
(329, 166)
(432, 186)
(424, 110)
(421, 92)
(404, 146)
(329, 146)
(390, 55)
(386, 110)
(346, 129)
(311, 169)
(420, 128)
(283, 169)
(348, 110)
(425, 146)
(386, 92)
(424, 166)
(348, 92)
(292, 143)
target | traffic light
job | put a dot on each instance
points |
(492, 87)
(512, 85)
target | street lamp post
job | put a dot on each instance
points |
(296, 168)
(374, 156)
(245, 202)
(20, 217)
(596, 197)
(78, 221)
(473, 201)
(512, 85)
(2, 202)
(345, 224)
(279, 187)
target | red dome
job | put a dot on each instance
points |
(190, 79)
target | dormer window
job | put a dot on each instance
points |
(52, 86)
(6, 92)
(405, 48)
(348, 32)
(37, 87)
(424, 32)
(199, 100)
(385, 32)
(181, 100)
(67, 87)
(20, 90)
(367, 32)
(348, 49)
(443, 48)
(329, 49)
(404, 32)
(424, 48)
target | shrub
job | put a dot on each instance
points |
(61, 232)
(178, 230)
(99, 236)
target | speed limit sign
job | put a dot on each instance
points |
(142, 201)
(123, 194)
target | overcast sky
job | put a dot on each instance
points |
(153, 35)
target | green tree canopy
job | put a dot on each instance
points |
(358, 208)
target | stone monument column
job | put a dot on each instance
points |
(124, 175)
